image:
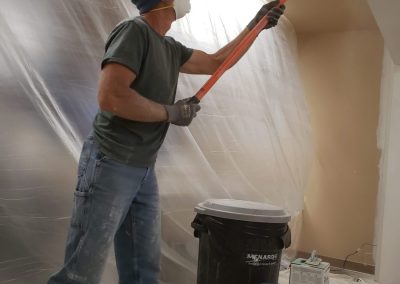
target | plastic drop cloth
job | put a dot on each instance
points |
(250, 141)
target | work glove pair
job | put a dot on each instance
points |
(272, 10)
(182, 112)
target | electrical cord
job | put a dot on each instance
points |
(355, 252)
(350, 255)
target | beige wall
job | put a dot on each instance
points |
(341, 74)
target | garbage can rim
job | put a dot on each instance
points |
(243, 210)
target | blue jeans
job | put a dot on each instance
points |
(113, 202)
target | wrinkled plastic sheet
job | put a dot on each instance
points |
(250, 141)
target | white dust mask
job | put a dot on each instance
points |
(182, 7)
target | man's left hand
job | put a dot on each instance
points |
(272, 10)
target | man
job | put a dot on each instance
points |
(116, 199)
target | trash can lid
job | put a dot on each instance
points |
(243, 211)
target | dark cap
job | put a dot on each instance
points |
(145, 5)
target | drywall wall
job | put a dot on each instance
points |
(310, 16)
(341, 74)
(388, 225)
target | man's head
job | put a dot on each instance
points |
(145, 6)
(181, 7)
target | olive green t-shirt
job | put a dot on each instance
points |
(155, 60)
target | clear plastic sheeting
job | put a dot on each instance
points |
(250, 141)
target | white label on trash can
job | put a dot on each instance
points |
(256, 259)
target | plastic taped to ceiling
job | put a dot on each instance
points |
(251, 140)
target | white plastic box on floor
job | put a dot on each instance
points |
(347, 277)
(302, 272)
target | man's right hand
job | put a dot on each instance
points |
(182, 112)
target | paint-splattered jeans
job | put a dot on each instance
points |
(113, 202)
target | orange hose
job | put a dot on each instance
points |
(236, 53)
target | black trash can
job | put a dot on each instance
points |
(241, 242)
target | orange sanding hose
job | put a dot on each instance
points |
(232, 57)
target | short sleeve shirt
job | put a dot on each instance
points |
(156, 61)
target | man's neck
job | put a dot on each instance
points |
(160, 21)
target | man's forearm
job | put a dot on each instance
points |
(131, 105)
(223, 53)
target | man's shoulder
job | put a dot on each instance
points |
(170, 39)
(131, 27)
(133, 23)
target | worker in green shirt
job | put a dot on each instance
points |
(116, 200)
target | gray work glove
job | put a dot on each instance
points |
(273, 13)
(182, 112)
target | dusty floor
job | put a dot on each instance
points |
(337, 278)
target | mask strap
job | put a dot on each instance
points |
(162, 8)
